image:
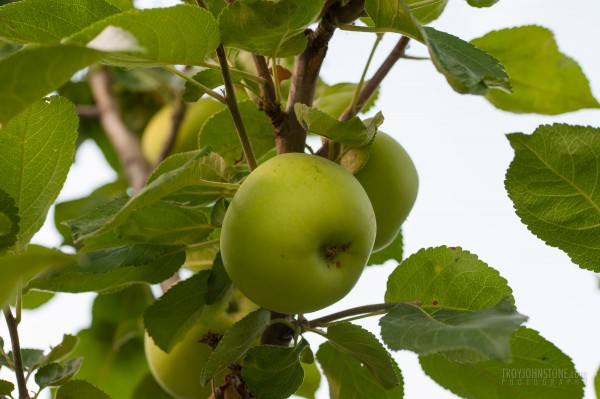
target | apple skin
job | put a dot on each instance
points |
(158, 128)
(391, 182)
(297, 234)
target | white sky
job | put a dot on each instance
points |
(457, 143)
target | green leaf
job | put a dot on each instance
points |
(210, 78)
(75, 208)
(55, 374)
(365, 347)
(334, 99)
(486, 331)
(149, 388)
(552, 182)
(312, 381)
(219, 283)
(447, 277)
(38, 148)
(94, 219)
(113, 269)
(31, 73)
(77, 389)
(597, 384)
(32, 358)
(112, 363)
(274, 372)
(35, 299)
(428, 10)
(348, 378)
(394, 16)
(220, 134)
(6, 387)
(482, 3)
(62, 350)
(236, 342)
(467, 68)
(354, 132)
(9, 221)
(193, 29)
(534, 360)
(393, 251)
(543, 79)
(275, 29)
(16, 269)
(48, 21)
(169, 318)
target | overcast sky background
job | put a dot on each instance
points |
(458, 145)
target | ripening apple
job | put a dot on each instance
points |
(297, 234)
(391, 182)
(157, 130)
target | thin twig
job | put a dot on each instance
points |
(235, 71)
(11, 323)
(177, 116)
(321, 321)
(194, 82)
(88, 111)
(125, 142)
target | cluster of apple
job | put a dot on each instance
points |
(295, 238)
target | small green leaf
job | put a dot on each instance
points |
(169, 318)
(552, 182)
(38, 148)
(486, 331)
(274, 372)
(543, 79)
(32, 358)
(393, 251)
(467, 68)
(312, 381)
(333, 100)
(35, 299)
(94, 219)
(33, 72)
(394, 16)
(193, 29)
(534, 359)
(210, 78)
(353, 133)
(482, 3)
(55, 374)
(149, 388)
(15, 269)
(220, 134)
(364, 346)
(77, 389)
(275, 29)
(9, 221)
(6, 387)
(62, 350)
(444, 277)
(348, 378)
(52, 20)
(236, 342)
(428, 10)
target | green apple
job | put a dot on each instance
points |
(157, 130)
(391, 182)
(297, 234)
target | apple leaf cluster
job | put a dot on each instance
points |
(242, 239)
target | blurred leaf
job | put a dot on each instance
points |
(532, 356)
(393, 251)
(353, 133)
(55, 374)
(482, 3)
(394, 16)
(236, 342)
(428, 10)
(196, 34)
(311, 382)
(38, 147)
(275, 29)
(33, 72)
(348, 378)
(32, 358)
(467, 68)
(35, 299)
(543, 79)
(115, 365)
(447, 277)
(6, 387)
(335, 99)
(9, 221)
(113, 269)
(597, 384)
(16, 269)
(354, 340)
(148, 388)
(553, 183)
(180, 308)
(219, 283)
(220, 134)
(274, 372)
(62, 350)
(49, 21)
(210, 78)
(486, 331)
(77, 389)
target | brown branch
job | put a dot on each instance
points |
(88, 111)
(178, 113)
(125, 142)
(11, 323)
